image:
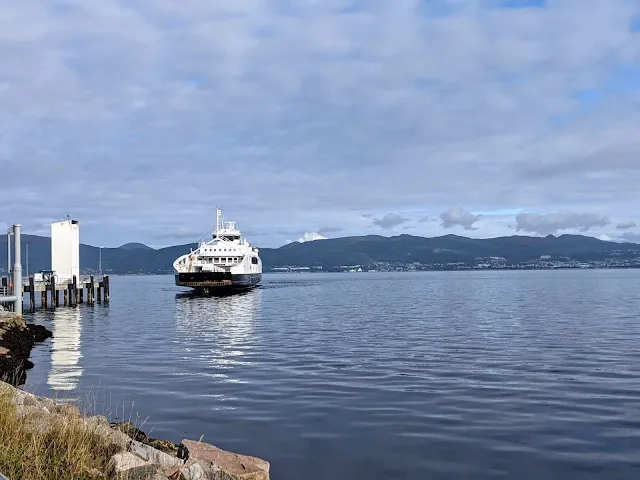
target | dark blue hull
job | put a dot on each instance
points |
(210, 282)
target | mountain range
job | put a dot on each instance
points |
(333, 254)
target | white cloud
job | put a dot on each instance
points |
(551, 223)
(625, 225)
(456, 216)
(142, 115)
(389, 221)
(310, 237)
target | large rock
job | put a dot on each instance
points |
(36, 419)
(19, 396)
(222, 465)
(144, 461)
(190, 471)
(129, 466)
(100, 426)
(148, 453)
(135, 433)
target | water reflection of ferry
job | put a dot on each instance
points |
(226, 315)
(218, 334)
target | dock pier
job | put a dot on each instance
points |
(64, 275)
(73, 290)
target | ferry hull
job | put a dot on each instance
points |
(218, 281)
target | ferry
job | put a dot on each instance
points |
(227, 262)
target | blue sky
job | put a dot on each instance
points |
(312, 119)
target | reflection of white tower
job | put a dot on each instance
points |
(65, 351)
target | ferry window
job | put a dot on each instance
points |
(217, 260)
(254, 260)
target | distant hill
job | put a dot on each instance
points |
(366, 250)
(135, 246)
(332, 253)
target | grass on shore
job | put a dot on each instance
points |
(66, 448)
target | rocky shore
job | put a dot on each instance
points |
(131, 454)
(17, 338)
(127, 452)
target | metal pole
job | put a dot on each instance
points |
(27, 259)
(9, 252)
(100, 261)
(17, 270)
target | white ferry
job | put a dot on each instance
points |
(226, 262)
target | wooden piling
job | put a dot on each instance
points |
(91, 292)
(32, 294)
(106, 289)
(74, 289)
(53, 292)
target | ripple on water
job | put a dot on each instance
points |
(473, 375)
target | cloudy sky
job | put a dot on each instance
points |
(320, 118)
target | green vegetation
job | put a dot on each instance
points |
(55, 447)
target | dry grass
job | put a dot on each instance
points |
(65, 447)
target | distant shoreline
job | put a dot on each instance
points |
(460, 269)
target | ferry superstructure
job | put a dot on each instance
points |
(226, 262)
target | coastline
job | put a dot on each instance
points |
(17, 338)
(127, 451)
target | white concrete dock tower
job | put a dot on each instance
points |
(65, 249)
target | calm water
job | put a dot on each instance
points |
(523, 375)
